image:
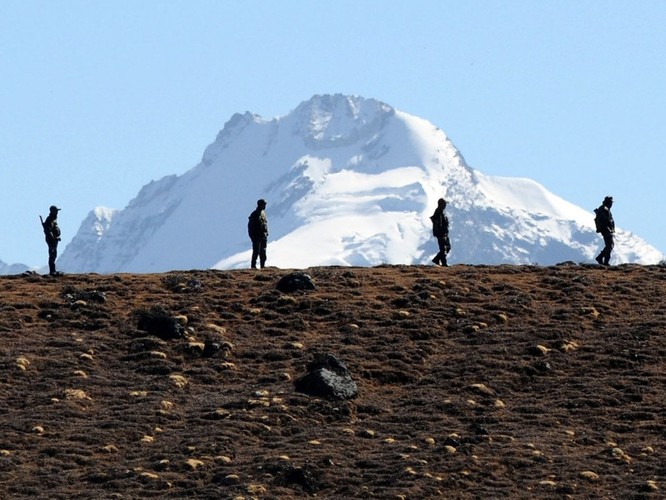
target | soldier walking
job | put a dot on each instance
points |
(606, 226)
(440, 230)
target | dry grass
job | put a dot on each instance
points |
(474, 382)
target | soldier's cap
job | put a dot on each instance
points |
(261, 202)
(53, 208)
(608, 198)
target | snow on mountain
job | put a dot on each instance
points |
(349, 181)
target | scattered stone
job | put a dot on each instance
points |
(307, 478)
(110, 448)
(327, 377)
(482, 389)
(220, 330)
(567, 346)
(178, 380)
(367, 434)
(23, 363)
(538, 350)
(150, 475)
(294, 282)
(620, 455)
(651, 485)
(589, 311)
(256, 489)
(38, 429)
(182, 319)
(589, 475)
(76, 394)
(156, 321)
(212, 348)
(147, 439)
(193, 463)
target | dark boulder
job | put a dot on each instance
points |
(327, 377)
(157, 322)
(294, 282)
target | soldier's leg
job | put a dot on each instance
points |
(262, 252)
(608, 248)
(53, 254)
(255, 252)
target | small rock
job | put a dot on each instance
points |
(178, 380)
(256, 489)
(503, 318)
(538, 350)
(589, 475)
(482, 389)
(23, 363)
(76, 394)
(220, 330)
(193, 463)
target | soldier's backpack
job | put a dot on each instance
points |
(597, 219)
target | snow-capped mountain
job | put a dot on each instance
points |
(349, 181)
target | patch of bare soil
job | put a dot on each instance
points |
(473, 382)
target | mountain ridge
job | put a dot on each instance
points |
(349, 181)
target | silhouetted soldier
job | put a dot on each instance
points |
(606, 226)
(257, 228)
(440, 230)
(52, 234)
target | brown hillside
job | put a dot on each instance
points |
(474, 382)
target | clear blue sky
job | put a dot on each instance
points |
(98, 98)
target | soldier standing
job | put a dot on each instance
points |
(606, 226)
(440, 230)
(52, 234)
(257, 228)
